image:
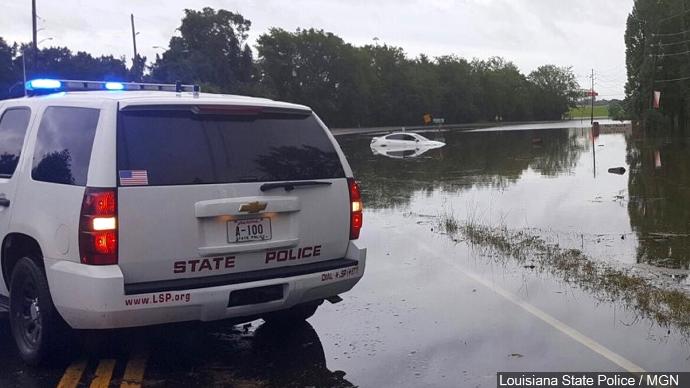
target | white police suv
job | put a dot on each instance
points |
(126, 204)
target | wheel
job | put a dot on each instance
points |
(34, 322)
(294, 315)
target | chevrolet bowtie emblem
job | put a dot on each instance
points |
(253, 207)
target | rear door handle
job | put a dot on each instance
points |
(4, 202)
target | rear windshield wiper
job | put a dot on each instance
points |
(289, 186)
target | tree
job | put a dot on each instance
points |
(210, 49)
(657, 59)
(617, 111)
(502, 90)
(458, 90)
(60, 62)
(554, 91)
(315, 68)
(9, 79)
(388, 83)
(136, 72)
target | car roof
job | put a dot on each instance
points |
(405, 133)
(127, 98)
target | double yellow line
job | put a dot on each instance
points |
(132, 377)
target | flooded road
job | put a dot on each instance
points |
(552, 180)
(434, 310)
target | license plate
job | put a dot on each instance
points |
(254, 229)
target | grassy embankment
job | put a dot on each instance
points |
(586, 111)
(667, 307)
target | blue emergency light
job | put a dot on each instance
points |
(46, 86)
(114, 86)
(43, 84)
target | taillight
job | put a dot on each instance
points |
(98, 227)
(355, 209)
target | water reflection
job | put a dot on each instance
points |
(485, 159)
(659, 206)
(402, 152)
(549, 180)
(223, 355)
(192, 355)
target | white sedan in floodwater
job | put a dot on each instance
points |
(405, 140)
(403, 144)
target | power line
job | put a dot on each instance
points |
(671, 44)
(672, 79)
(672, 33)
(611, 79)
(673, 54)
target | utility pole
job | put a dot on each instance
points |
(134, 41)
(592, 117)
(35, 31)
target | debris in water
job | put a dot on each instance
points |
(617, 170)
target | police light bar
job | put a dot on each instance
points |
(43, 86)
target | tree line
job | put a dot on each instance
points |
(657, 40)
(347, 85)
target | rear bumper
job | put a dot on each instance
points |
(96, 297)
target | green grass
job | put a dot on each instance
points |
(586, 111)
(666, 306)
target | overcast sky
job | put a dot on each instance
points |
(584, 34)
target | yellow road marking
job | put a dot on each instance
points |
(549, 319)
(134, 372)
(72, 375)
(104, 373)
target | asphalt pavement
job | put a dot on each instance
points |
(429, 312)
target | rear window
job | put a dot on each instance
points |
(179, 147)
(63, 145)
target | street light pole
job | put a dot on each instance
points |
(134, 40)
(33, 21)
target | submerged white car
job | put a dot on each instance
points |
(405, 141)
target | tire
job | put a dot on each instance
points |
(294, 315)
(34, 322)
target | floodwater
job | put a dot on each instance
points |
(436, 312)
(552, 181)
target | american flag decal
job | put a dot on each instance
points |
(134, 177)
